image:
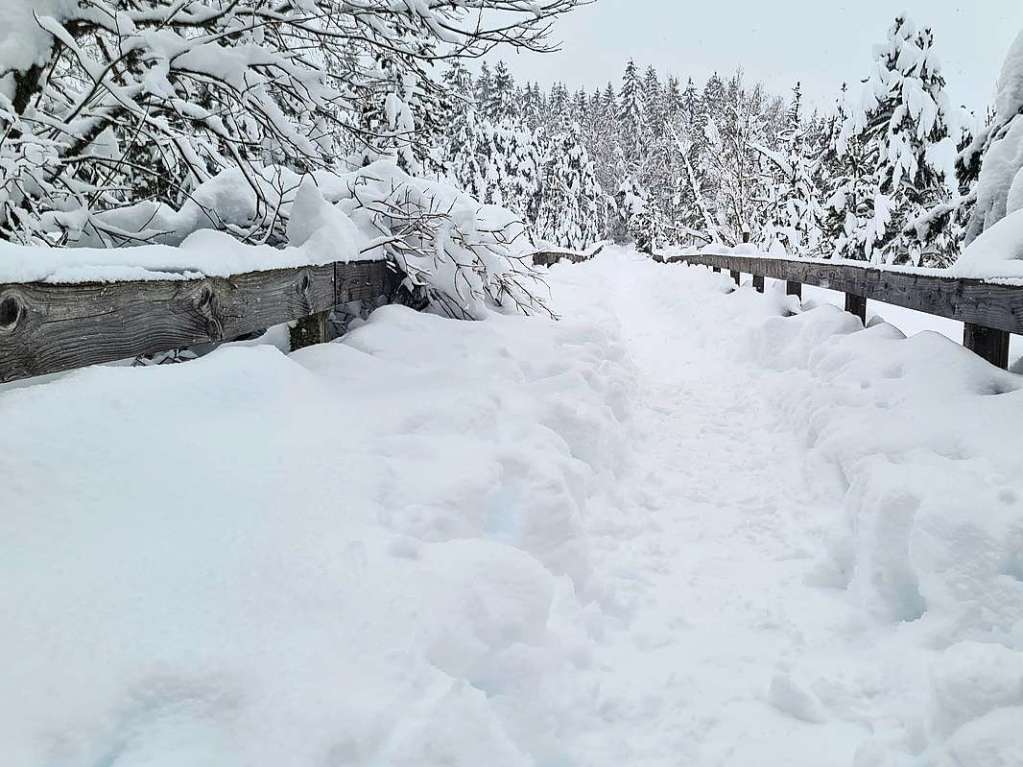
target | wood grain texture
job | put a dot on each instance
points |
(981, 303)
(47, 328)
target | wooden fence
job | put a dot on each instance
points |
(48, 328)
(989, 311)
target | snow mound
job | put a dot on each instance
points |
(367, 552)
(921, 433)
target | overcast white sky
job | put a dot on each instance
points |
(821, 43)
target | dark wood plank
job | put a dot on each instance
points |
(794, 289)
(991, 344)
(982, 303)
(758, 283)
(856, 305)
(47, 328)
(736, 275)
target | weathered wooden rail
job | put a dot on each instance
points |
(551, 257)
(53, 327)
(48, 328)
(988, 310)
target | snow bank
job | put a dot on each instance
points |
(366, 553)
(924, 436)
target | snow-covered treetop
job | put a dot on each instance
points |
(907, 74)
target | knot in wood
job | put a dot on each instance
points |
(207, 304)
(11, 308)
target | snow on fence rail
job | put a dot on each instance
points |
(990, 311)
(48, 327)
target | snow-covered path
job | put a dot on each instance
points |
(707, 547)
(677, 528)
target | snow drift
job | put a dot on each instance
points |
(368, 552)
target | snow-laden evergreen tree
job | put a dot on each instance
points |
(498, 164)
(995, 156)
(796, 209)
(574, 208)
(740, 179)
(499, 103)
(606, 148)
(653, 103)
(695, 219)
(632, 120)
(851, 191)
(636, 222)
(405, 111)
(909, 133)
(483, 90)
(558, 108)
(532, 106)
(580, 107)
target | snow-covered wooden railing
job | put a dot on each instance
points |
(989, 310)
(48, 328)
(551, 257)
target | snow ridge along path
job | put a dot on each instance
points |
(684, 525)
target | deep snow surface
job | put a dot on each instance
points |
(677, 528)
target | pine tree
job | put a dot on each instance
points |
(573, 209)
(484, 89)
(499, 104)
(739, 175)
(672, 100)
(606, 148)
(797, 212)
(465, 152)
(632, 120)
(691, 145)
(907, 126)
(653, 103)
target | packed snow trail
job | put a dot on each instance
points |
(707, 549)
(684, 525)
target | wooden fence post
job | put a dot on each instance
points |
(758, 283)
(717, 269)
(794, 289)
(991, 344)
(309, 331)
(737, 276)
(856, 305)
